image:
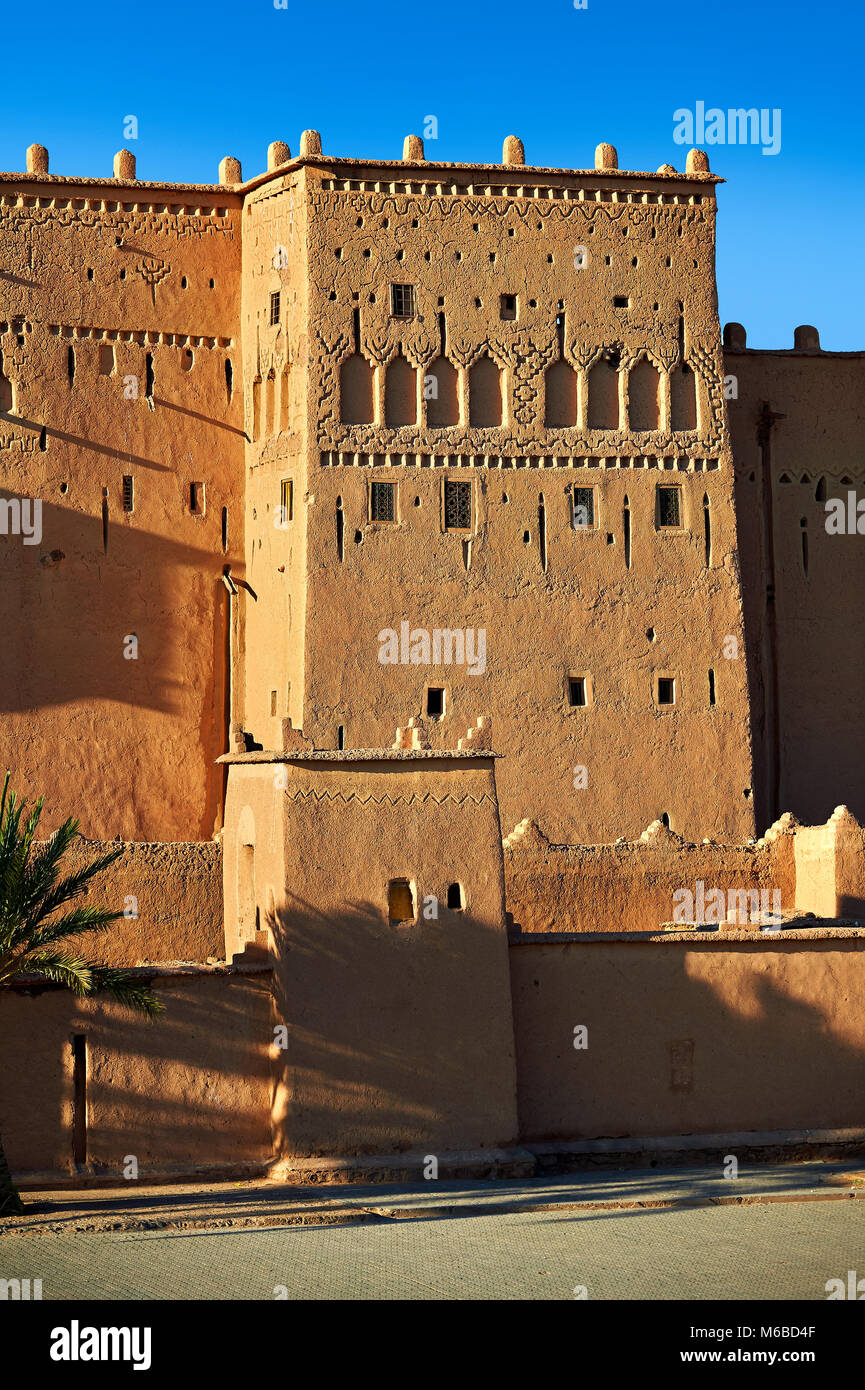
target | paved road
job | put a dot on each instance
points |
(775, 1251)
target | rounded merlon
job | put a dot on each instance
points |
(412, 148)
(735, 337)
(37, 159)
(230, 170)
(697, 162)
(310, 142)
(277, 153)
(666, 169)
(513, 150)
(806, 338)
(124, 165)
(606, 157)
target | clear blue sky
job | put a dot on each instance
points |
(208, 79)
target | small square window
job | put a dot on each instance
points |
(669, 507)
(274, 307)
(402, 301)
(458, 505)
(507, 306)
(584, 508)
(400, 901)
(666, 690)
(621, 301)
(435, 702)
(382, 502)
(577, 691)
(286, 501)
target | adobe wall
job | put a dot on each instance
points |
(176, 891)
(629, 887)
(689, 1037)
(546, 596)
(398, 1032)
(191, 1089)
(805, 670)
(275, 366)
(119, 327)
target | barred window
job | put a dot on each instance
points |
(669, 508)
(382, 502)
(584, 507)
(402, 301)
(458, 505)
(274, 307)
(128, 493)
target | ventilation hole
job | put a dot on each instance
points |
(455, 897)
(711, 687)
(224, 529)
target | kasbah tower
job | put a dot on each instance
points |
(413, 547)
(488, 400)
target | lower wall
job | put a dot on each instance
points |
(689, 1037)
(191, 1089)
(685, 1037)
(630, 887)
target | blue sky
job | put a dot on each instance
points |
(206, 80)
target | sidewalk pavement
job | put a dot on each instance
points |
(259, 1203)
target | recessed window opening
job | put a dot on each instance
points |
(286, 501)
(507, 306)
(435, 702)
(196, 498)
(70, 364)
(400, 900)
(542, 532)
(707, 529)
(455, 897)
(665, 819)
(669, 507)
(274, 307)
(458, 505)
(105, 520)
(148, 375)
(229, 378)
(402, 302)
(584, 508)
(666, 690)
(128, 493)
(224, 528)
(273, 702)
(382, 502)
(577, 692)
(621, 301)
(711, 687)
(340, 737)
(626, 528)
(340, 531)
(355, 328)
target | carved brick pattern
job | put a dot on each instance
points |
(19, 219)
(304, 794)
